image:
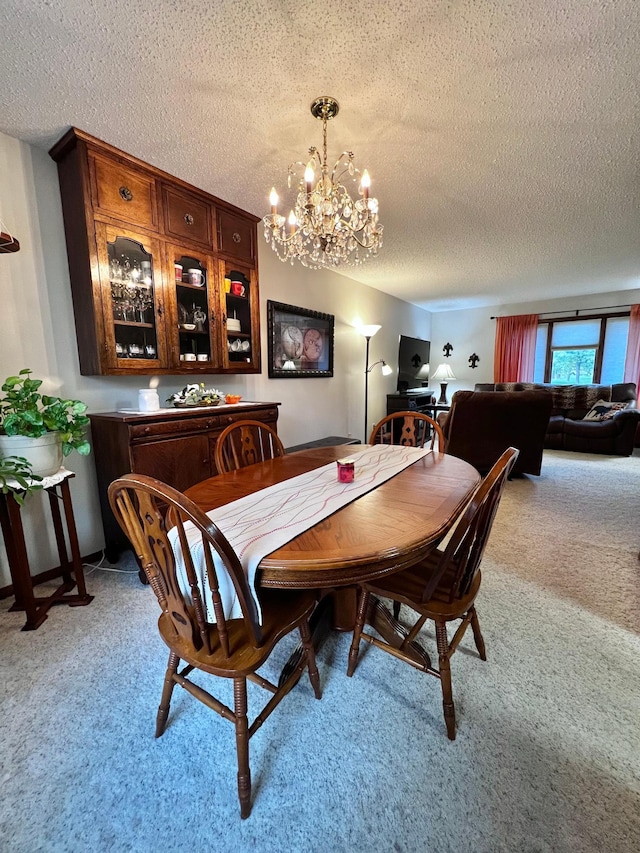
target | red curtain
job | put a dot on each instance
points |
(515, 351)
(632, 361)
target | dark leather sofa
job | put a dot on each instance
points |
(567, 430)
(481, 425)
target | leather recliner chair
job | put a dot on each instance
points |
(481, 425)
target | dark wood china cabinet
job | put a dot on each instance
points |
(164, 276)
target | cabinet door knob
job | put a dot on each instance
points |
(213, 316)
(147, 429)
(188, 218)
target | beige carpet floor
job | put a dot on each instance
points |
(575, 532)
(547, 757)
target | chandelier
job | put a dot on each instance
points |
(326, 227)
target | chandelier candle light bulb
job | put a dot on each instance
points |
(273, 201)
(309, 177)
(365, 183)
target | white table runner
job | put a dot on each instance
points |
(261, 522)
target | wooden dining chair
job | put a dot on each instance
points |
(442, 587)
(245, 443)
(411, 429)
(194, 624)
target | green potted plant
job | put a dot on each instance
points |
(40, 428)
(17, 477)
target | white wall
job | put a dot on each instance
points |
(473, 331)
(37, 331)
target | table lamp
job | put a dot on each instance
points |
(443, 375)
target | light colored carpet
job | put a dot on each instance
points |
(547, 756)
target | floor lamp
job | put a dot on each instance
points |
(368, 332)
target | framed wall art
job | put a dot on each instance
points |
(300, 342)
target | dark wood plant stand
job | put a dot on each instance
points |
(70, 569)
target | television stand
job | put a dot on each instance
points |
(412, 401)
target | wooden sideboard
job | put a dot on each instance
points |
(173, 445)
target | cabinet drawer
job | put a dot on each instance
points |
(187, 217)
(236, 236)
(267, 416)
(166, 429)
(120, 191)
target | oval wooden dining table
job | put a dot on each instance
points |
(383, 531)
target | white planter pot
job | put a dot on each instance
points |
(44, 452)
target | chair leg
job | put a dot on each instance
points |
(363, 604)
(167, 690)
(242, 745)
(477, 634)
(445, 679)
(312, 667)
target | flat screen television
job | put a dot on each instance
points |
(413, 364)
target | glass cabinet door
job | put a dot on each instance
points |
(241, 319)
(132, 306)
(195, 311)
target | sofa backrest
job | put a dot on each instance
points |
(481, 426)
(571, 401)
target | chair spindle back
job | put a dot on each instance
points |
(140, 503)
(463, 553)
(245, 443)
(409, 429)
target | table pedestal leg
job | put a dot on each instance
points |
(381, 620)
(320, 624)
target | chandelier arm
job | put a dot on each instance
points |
(349, 166)
(360, 243)
(293, 167)
(313, 152)
(337, 179)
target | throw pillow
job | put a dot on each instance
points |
(603, 411)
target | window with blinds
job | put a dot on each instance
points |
(582, 351)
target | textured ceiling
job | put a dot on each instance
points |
(501, 137)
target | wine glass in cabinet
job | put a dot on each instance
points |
(131, 295)
(195, 310)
